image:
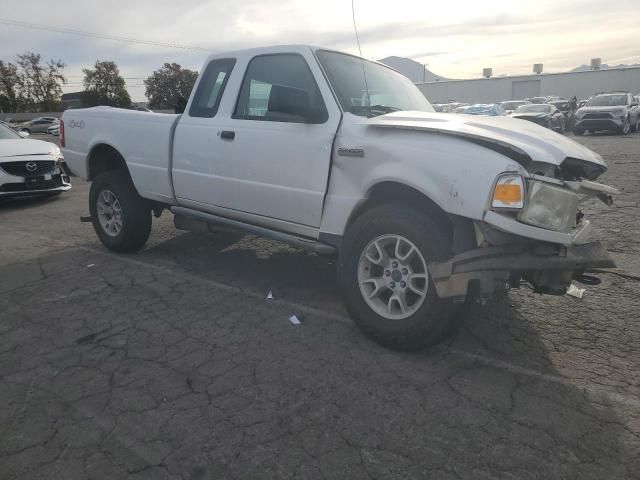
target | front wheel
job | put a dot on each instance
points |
(626, 127)
(384, 275)
(121, 218)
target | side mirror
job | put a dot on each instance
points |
(23, 134)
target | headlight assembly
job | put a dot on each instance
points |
(550, 207)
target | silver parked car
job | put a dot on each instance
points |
(510, 106)
(39, 125)
(616, 111)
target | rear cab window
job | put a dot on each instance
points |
(211, 87)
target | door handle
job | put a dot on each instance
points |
(227, 135)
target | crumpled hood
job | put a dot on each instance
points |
(537, 143)
(26, 147)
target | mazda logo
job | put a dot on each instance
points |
(31, 166)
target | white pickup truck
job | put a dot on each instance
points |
(344, 156)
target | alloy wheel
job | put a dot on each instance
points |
(393, 277)
(109, 213)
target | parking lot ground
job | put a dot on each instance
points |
(172, 364)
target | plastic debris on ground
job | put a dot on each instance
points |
(91, 265)
(294, 320)
(270, 295)
(575, 291)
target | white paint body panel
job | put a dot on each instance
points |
(285, 176)
(143, 139)
(277, 170)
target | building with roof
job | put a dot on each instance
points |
(582, 84)
(72, 100)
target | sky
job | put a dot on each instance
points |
(455, 39)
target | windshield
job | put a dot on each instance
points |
(7, 134)
(388, 90)
(513, 105)
(607, 101)
(533, 108)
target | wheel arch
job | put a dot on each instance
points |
(103, 158)
(390, 191)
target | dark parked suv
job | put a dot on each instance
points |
(608, 111)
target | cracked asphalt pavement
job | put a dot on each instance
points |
(171, 364)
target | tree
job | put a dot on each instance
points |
(104, 86)
(170, 86)
(10, 82)
(41, 84)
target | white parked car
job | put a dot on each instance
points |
(54, 130)
(30, 167)
(424, 211)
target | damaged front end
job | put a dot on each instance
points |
(549, 268)
(533, 231)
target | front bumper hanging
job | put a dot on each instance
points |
(486, 271)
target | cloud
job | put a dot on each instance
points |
(457, 40)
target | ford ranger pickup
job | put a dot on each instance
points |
(344, 156)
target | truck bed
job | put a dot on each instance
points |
(144, 139)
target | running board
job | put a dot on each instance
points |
(293, 240)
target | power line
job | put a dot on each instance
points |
(103, 36)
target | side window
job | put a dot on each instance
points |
(280, 88)
(207, 98)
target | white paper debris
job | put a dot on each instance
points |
(575, 291)
(91, 265)
(293, 319)
(270, 295)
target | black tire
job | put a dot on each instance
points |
(626, 127)
(578, 131)
(636, 127)
(136, 212)
(435, 318)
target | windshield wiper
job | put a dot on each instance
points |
(373, 110)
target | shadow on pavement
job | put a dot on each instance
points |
(25, 203)
(117, 370)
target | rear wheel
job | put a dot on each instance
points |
(578, 131)
(121, 218)
(385, 280)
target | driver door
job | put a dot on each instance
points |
(275, 148)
